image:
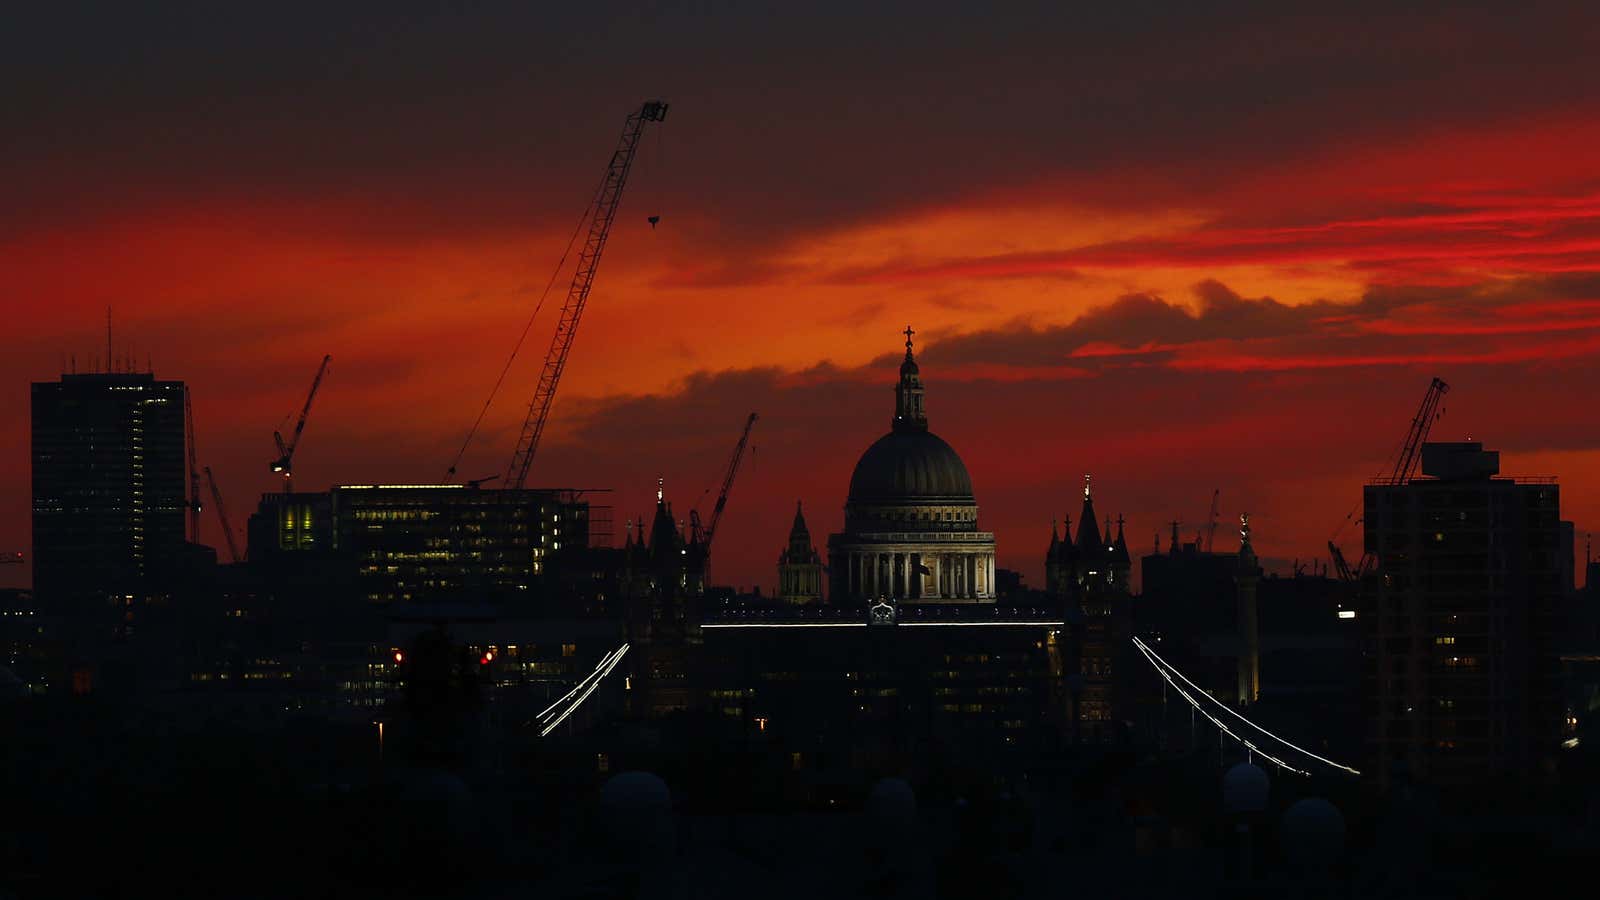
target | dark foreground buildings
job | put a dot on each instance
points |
(399, 673)
(108, 488)
(1462, 620)
(420, 543)
(913, 654)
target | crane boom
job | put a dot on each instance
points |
(727, 480)
(1411, 453)
(601, 215)
(194, 473)
(222, 516)
(1405, 466)
(284, 464)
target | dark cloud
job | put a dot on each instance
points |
(456, 117)
(1138, 322)
(1290, 445)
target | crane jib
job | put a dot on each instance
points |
(601, 215)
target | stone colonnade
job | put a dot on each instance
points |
(908, 574)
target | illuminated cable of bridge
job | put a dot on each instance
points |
(1167, 670)
(550, 718)
(551, 709)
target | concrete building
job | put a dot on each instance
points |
(108, 487)
(911, 521)
(414, 543)
(1461, 620)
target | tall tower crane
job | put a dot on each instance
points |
(284, 464)
(222, 517)
(194, 473)
(1405, 467)
(1411, 454)
(600, 216)
(704, 536)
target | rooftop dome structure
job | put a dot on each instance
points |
(911, 466)
(1313, 833)
(1244, 789)
(911, 519)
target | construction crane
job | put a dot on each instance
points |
(222, 517)
(600, 216)
(194, 473)
(704, 536)
(1405, 467)
(284, 464)
(1411, 454)
(1211, 527)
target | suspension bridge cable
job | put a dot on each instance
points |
(1163, 665)
(1222, 727)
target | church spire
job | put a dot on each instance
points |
(909, 412)
(799, 529)
(1088, 529)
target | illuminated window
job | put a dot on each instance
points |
(569, 649)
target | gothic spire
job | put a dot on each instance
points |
(1120, 546)
(1089, 539)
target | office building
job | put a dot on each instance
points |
(424, 543)
(108, 488)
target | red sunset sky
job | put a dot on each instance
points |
(1178, 249)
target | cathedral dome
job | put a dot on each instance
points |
(910, 466)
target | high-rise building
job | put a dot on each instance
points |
(108, 486)
(1461, 620)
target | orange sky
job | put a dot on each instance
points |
(1179, 254)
